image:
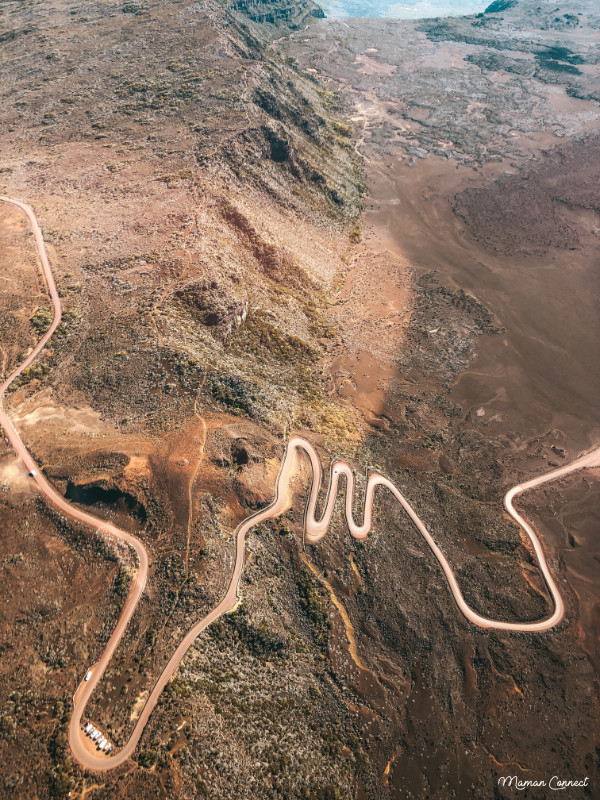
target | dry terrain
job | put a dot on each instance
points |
(382, 235)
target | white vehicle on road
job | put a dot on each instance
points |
(88, 675)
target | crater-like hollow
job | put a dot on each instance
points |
(92, 493)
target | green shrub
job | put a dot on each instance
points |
(42, 319)
(147, 759)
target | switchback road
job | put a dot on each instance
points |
(315, 529)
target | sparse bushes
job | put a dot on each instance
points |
(265, 340)
(147, 759)
(8, 726)
(329, 99)
(52, 656)
(356, 233)
(235, 393)
(173, 178)
(259, 641)
(42, 319)
(279, 148)
(342, 128)
(123, 581)
(314, 606)
(35, 371)
(267, 102)
(70, 319)
(61, 775)
(186, 366)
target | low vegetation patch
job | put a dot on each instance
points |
(315, 605)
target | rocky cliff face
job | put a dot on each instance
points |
(293, 14)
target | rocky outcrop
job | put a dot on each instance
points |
(274, 11)
(214, 307)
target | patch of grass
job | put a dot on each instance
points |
(42, 319)
(356, 234)
(261, 338)
(342, 128)
(330, 100)
(173, 178)
(332, 421)
(35, 371)
(123, 581)
(235, 393)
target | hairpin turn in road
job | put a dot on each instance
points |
(315, 529)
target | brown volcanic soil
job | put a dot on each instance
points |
(20, 286)
(195, 220)
(530, 213)
(462, 429)
(209, 316)
(497, 377)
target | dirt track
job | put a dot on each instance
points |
(315, 530)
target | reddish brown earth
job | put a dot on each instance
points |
(530, 393)
(155, 178)
(518, 234)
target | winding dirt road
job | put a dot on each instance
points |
(315, 529)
